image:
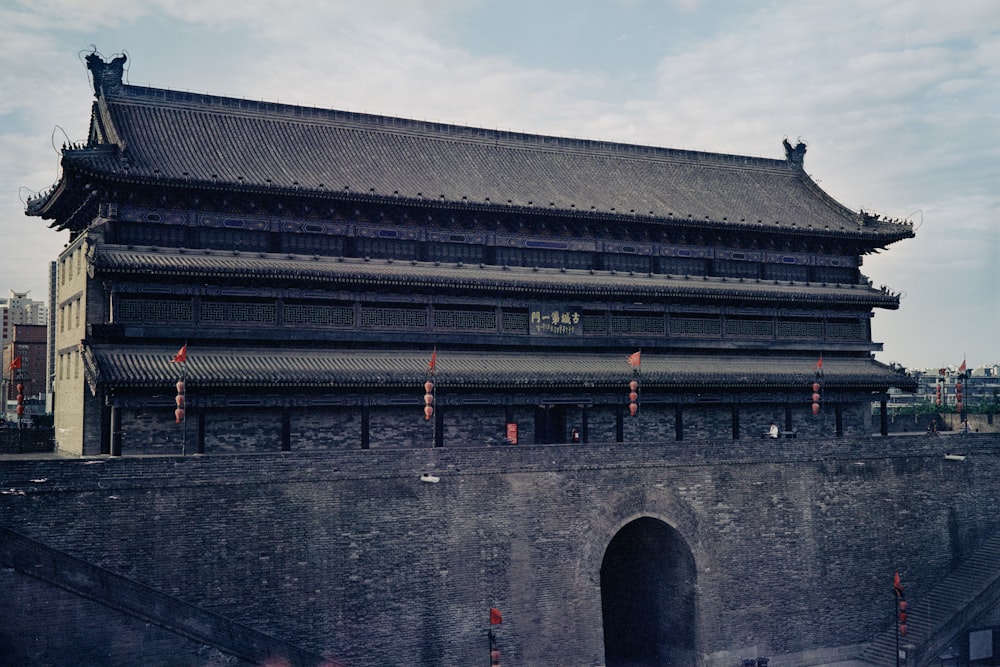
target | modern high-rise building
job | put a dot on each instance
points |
(17, 308)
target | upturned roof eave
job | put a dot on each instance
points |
(885, 233)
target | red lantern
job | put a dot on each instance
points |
(633, 385)
(20, 411)
(902, 629)
(815, 408)
(179, 399)
(815, 398)
(958, 406)
(633, 397)
(632, 409)
(428, 387)
(181, 386)
(428, 399)
(428, 411)
(20, 398)
(815, 387)
(179, 414)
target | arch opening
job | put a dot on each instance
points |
(648, 579)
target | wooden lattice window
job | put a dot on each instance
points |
(682, 325)
(800, 328)
(739, 327)
(238, 312)
(637, 324)
(154, 310)
(514, 321)
(393, 318)
(467, 320)
(300, 314)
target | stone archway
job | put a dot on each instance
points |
(648, 601)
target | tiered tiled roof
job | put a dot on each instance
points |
(471, 278)
(150, 366)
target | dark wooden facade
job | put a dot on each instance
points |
(312, 260)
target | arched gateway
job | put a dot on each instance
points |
(648, 597)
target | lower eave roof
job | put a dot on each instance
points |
(230, 367)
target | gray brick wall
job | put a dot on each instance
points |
(348, 553)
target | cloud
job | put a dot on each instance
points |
(897, 101)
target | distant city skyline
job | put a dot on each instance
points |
(897, 102)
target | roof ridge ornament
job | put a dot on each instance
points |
(795, 154)
(107, 75)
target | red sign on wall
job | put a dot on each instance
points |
(512, 433)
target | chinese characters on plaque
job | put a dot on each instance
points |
(549, 321)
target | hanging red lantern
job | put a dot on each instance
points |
(20, 388)
(633, 408)
(815, 386)
(633, 385)
(428, 399)
(20, 411)
(815, 398)
(428, 411)
(633, 397)
(815, 408)
(902, 629)
(180, 401)
(958, 406)
(428, 387)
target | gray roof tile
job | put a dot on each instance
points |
(216, 141)
(471, 278)
(150, 366)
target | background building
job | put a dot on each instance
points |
(24, 363)
(17, 308)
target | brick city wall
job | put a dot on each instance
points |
(347, 553)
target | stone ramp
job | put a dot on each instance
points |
(37, 560)
(969, 590)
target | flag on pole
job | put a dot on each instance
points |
(961, 369)
(819, 362)
(181, 356)
(635, 359)
(897, 585)
(14, 363)
(432, 364)
(495, 617)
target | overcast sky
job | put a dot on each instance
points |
(898, 102)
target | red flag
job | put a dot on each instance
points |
(14, 363)
(181, 356)
(819, 363)
(432, 364)
(635, 359)
(897, 585)
(961, 369)
(495, 617)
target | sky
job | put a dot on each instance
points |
(898, 103)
